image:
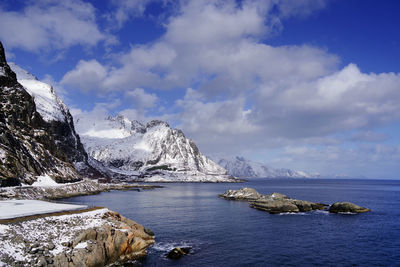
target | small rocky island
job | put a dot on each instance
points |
(276, 203)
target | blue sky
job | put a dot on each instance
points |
(309, 84)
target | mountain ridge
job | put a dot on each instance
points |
(244, 168)
(152, 151)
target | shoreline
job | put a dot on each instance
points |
(81, 188)
(89, 236)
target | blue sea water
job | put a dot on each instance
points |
(230, 233)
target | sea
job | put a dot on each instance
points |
(230, 233)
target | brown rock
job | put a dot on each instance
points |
(124, 240)
(347, 207)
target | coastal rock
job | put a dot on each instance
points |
(347, 207)
(94, 237)
(120, 241)
(178, 252)
(274, 206)
(242, 194)
(274, 203)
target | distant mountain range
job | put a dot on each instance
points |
(244, 168)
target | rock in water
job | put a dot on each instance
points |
(347, 207)
(243, 194)
(274, 203)
(178, 252)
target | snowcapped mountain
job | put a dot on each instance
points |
(28, 147)
(151, 152)
(58, 119)
(243, 168)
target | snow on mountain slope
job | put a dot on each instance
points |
(241, 167)
(47, 102)
(28, 147)
(153, 151)
(58, 118)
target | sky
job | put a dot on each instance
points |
(311, 85)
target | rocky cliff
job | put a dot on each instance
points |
(28, 147)
(58, 120)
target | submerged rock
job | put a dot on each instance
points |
(347, 207)
(178, 252)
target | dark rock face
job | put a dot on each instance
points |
(178, 253)
(346, 207)
(28, 146)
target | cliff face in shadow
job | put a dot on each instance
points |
(27, 144)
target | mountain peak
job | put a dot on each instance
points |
(155, 123)
(7, 76)
(2, 54)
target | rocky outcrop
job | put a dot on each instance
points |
(122, 241)
(178, 253)
(89, 238)
(346, 207)
(27, 145)
(243, 194)
(274, 203)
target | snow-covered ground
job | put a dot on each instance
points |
(19, 208)
(18, 239)
(46, 180)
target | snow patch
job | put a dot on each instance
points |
(47, 103)
(19, 208)
(45, 180)
(82, 245)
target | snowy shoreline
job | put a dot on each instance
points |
(95, 237)
(41, 233)
(82, 188)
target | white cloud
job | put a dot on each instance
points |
(50, 24)
(126, 9)
(87, 75)
(141, 99)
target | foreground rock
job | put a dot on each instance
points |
(93, 238)
(274, 203)
(178, 253)
(347, 207)
(85, 187)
